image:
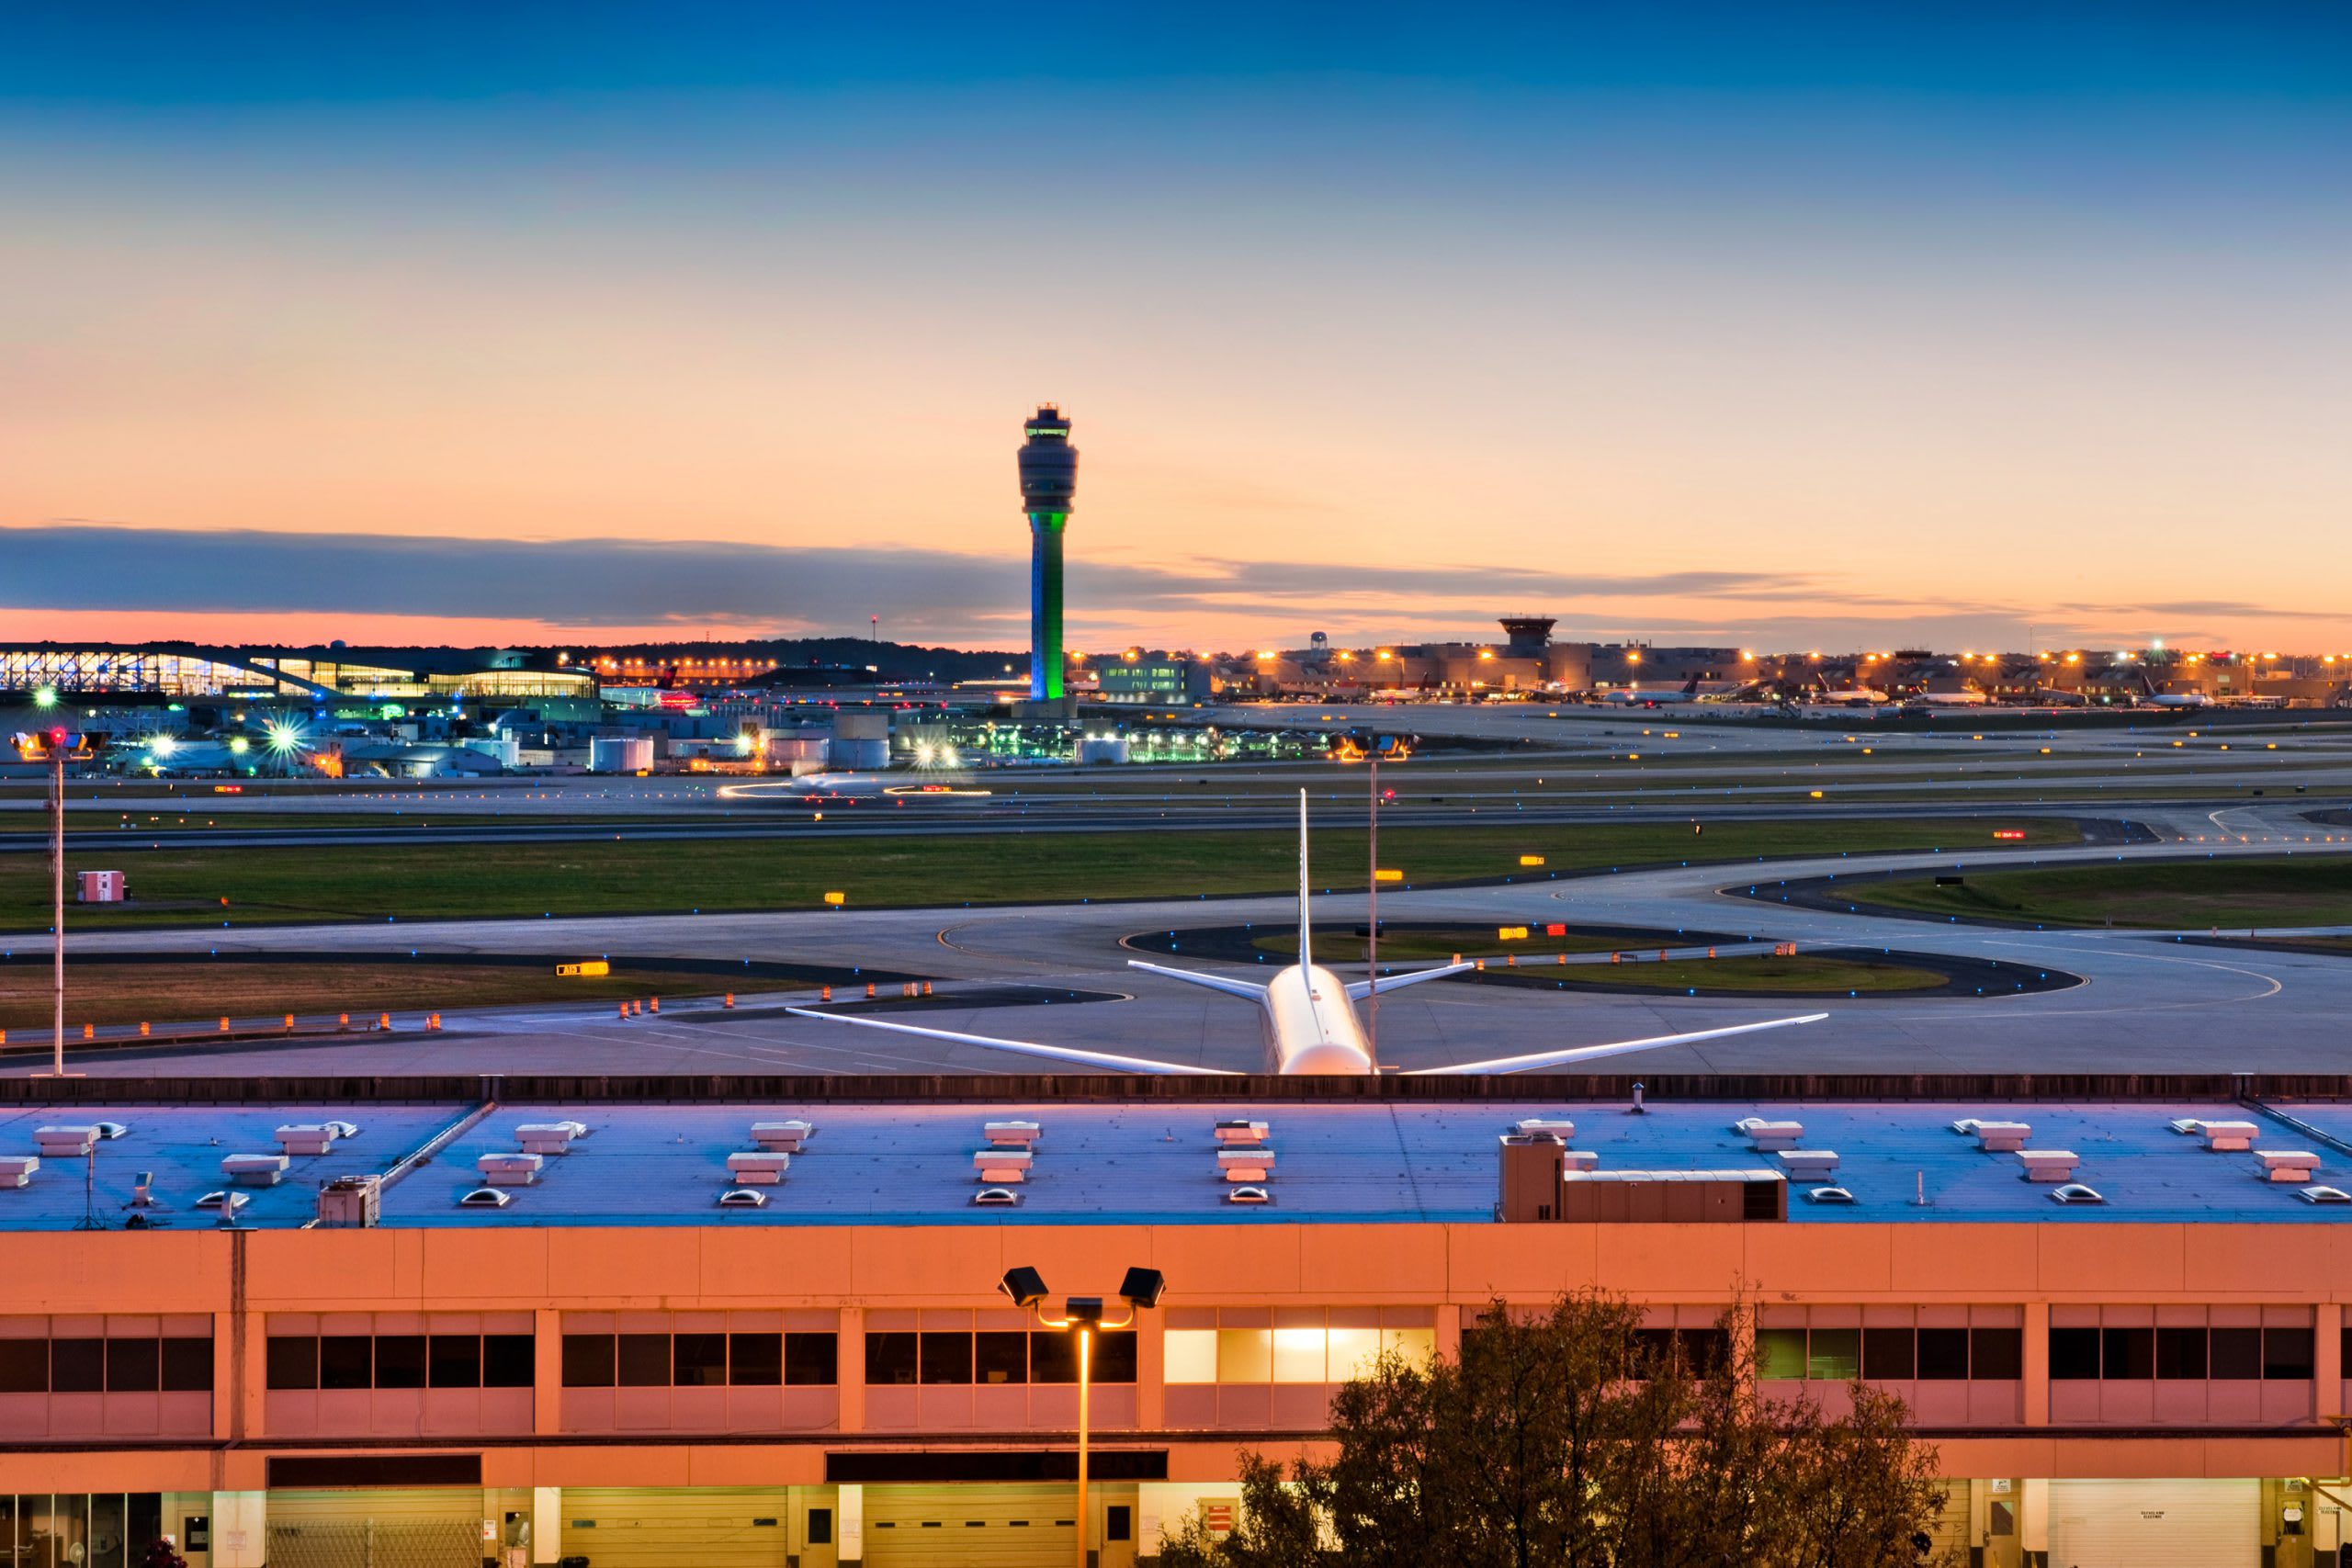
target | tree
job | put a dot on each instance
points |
(1571, 1437)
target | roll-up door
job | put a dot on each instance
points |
(678, 1526)
(2156, 1524)
(388, 1527)
(981, 1525)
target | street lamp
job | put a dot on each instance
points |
(1142, 1287)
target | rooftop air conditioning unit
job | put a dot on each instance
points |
(254, 1170)
(1249, 1195)
(1579, 1159)
(17, 1170)
(509, 1170)
(995, 1197)
(743, 1198)
(787, 1136)
(757, 1169)
(485, 1198)
(351, 1203)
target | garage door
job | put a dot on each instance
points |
(677, 1527)
(984, 1525)
(2156, 1524)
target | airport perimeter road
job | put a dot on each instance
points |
(2150, 1002)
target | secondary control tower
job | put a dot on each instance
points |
(1048, 486)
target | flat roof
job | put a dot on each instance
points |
(1153, 1162)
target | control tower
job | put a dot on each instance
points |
(1048, 486)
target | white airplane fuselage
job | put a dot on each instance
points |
(1311, 1026)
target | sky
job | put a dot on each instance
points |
(1789, 326)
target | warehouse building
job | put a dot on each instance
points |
(529, 1322)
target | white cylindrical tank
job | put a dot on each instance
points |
(791, 748)
(621, 754)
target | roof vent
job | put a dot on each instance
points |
(999, 1166)
(2188, 1126)
(757, 1169)
(1827, 1195)
(64, 1143)
(2002, 1137)
(1966, 1127)
(253, 1170)
(1558, 1127)
(2287, 1165)
(1767, 1136)
(1246, 1165)
(2229, 1137)
(307, 1138)
(229, 1201)
(2048, 1165)
(2075, 1192)
(1808, 1162)
(1249, 1195)
(111, 1130)
(486, 1197)
(344, 1129)
(508, 1170)
(783, 1136)
(17, 1170)
(995, 1197)
(1239, 1135)
(2325, 1195)
(549, 1137)
(1012, 1134)
(743, 1198)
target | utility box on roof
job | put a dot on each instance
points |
(1529, 1179)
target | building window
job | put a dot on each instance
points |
(698, 1360)
(755, 1360)
(706, 1360)
(2189, 1352)
(587, 1360)
(367, 1361)
(890, 1358)
(1260, 1352)
(643, 1360)
(134, 1366)
(1891, 1354)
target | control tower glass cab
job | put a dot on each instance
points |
(1048, 487)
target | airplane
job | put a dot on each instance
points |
(2152, 698)
(1848, 698)
(1633, 696)
(1309, 1017)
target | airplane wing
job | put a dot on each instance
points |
(1247, 989)
(1027, 1047)
(1359, 989)
(1591, 1053)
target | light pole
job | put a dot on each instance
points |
(1141, 1288)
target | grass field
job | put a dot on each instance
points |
(100, 992)
(2302, 891)
(186, 885)
(1802, 975)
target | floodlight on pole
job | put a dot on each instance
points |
(1139, 1288)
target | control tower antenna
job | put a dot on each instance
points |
(1048, 487)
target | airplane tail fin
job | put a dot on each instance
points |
(1305, 956)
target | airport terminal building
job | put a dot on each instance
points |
(641, 1324)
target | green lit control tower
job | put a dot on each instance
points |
(1048, 486)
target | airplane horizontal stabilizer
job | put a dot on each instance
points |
(1250, 989)
(1359, 989)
